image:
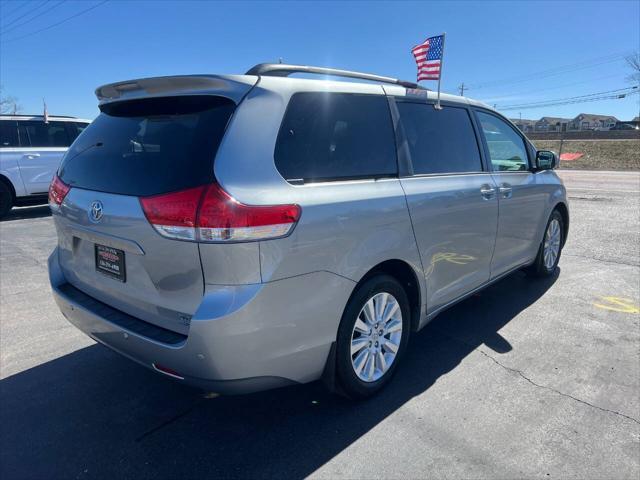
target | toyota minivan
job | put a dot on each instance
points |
(246, 232)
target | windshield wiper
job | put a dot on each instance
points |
(97, 144)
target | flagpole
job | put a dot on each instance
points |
(45, 113)
(437, 105)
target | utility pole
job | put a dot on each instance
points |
(461, 87)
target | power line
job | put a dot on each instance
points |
(594, 99)
(58, 23)
(33, 18)
(555, 71)
(25, 14)
(555, 87)
(586, 98)
(541, 75)
(621, 93)
(617, 90)
(594, 62)
(510, 94)
(10, 12)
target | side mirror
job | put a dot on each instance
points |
(546, 160)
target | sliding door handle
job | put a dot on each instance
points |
(487, 191)
(505, 190)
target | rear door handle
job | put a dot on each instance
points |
(31, 155)
(505, 190)
(487, 191)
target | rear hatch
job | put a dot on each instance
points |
(138, 148)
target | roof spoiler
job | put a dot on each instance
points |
(230, 86)
(284, 70)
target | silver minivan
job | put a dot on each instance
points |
(246, 232)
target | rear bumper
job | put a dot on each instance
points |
(242, 338)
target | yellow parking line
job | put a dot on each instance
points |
(617, 304)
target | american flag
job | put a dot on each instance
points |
(428, 57)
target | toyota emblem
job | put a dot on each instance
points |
(95, 212)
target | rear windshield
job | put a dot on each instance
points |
(150, 146)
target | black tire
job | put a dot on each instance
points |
(538, 267)
(6, 199)
(351, 385)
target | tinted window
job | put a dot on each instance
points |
(8, 133)
(74, 129)
(506, 147)
(440, 141)
(36, 133)
(326, 136)
(150, 146)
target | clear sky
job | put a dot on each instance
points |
(506, 43)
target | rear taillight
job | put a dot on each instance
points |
(209, 214)
(57, 191)
(174, 214)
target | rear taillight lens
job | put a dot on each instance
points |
(222, 218)
(174, 214)
(209, 214)
(57, 191)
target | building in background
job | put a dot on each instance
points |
(590, 121)
(628, 125)
(524, 125)
(552, 124)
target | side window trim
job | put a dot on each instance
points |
(485, 146)
(405, 163)
(403, 155)
(23, 136)
(484, 152)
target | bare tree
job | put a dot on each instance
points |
(8, 104)
(633, 61)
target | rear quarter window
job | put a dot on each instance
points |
(335, 136)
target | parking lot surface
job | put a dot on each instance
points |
(529, 378)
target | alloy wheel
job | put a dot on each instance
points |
(552, 244)
(376, 337)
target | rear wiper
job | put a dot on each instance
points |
(98, 144)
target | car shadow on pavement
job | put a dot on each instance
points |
(23, 213)
(94, 414)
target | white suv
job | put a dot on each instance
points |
(30, 152)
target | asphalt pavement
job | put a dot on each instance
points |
(529, 378)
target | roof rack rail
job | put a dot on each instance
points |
(284, 70)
